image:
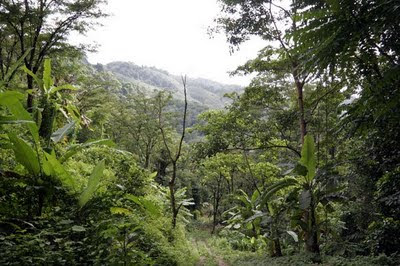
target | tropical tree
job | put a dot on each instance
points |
(173, 155)
(242, 19)
(357, 40)
(41, 28)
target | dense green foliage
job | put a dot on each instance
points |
(99, 165)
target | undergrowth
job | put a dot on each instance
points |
(214, 249)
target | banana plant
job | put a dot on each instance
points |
(307, 200)
(50, 103)
(240, 214)
(261, 214)
(311, 193)
(305, 191)
(42, 166)
(182, 201)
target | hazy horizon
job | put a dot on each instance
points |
(169, 35)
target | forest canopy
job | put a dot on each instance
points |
(124, 165)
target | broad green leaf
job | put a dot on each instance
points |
(35, 77)
(63, 87)
(13, 120)
(145, 204)
(255, 216)
(271, 190)
(57, 170)
(62, 132)
(10, 96)
(187, 202)
(47, 168)
(153, 175)
(11, 100)
(94, 180)
(133, 198)
(65, 222)
(255, 196)
(72, 150)
(244, 198)
(47, 81)
(78, 228)
(293, 235)
(73, 112)
(308, 157)
(271, 208)
(14, 67)
(119, 210)
(25, 155)
(180, 193)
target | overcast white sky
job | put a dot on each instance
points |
(171, 35)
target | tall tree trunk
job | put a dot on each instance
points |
(311, 235)
(277, 248)
(172, 192)
(48, 117)
(300, 102)
(214, 212)
(216, 204)
(174, 158)
(29, 102)
(146, 160)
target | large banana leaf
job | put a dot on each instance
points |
(62, 87)
(47, 80)
(4, 120)
(33, 75)
(78, 147)
(308, 157)
(11, 100)
(62, 132)
(271, 190)
(91, 187)
(146, 205)
(54, 168)
(24, 154)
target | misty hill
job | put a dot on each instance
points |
(202, 91)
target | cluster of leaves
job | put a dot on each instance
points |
(329, 69)
(77, 202)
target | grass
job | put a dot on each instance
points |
(216, 251)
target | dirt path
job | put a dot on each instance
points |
(211, 255)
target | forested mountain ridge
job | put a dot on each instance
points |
(102, 165)
(202, 91)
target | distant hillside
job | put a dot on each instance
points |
(202, 91)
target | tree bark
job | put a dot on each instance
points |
(29, 102)
(216, 203)
(174, 159)
(300, 102)
(277, 248)
(48, 117)
(172, 192)
(311, 235)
